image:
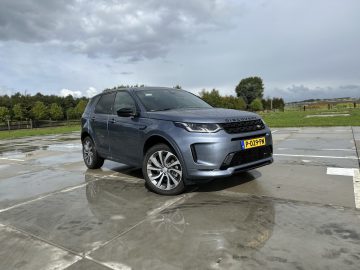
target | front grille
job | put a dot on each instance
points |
(249, 155)
(243, 126)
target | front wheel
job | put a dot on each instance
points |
(91, 157)
(163, 171)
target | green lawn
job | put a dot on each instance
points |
(37, 131)
(273, 119)
(299, 119)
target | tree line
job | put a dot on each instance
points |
(39, 107)
(249, 96)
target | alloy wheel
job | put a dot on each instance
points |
(88, 151)
(164, 170)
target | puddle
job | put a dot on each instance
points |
(20, 149)
(29, 184)
(65, 147)
(67, 158)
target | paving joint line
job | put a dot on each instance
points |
(43, 240)
(283, 200)
(79, 256)
(98, 262)
(64, 190)
(318, 156)
(356, 149)
(356, 182)
(356, 177)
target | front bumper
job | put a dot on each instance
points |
(204, 154)
(198, 174)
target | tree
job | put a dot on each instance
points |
(21, 104)
(69, 102)
(5, 101)
(4, 114)
(213, 97)
(71, 114)
(39, 110)
(56, 112)
(80, 108)
(256, 105)
(232, 102)
(18, 111)
(266, 103)
(278, 103)
(250, 89)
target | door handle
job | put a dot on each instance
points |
(113, 121)
(93, 118)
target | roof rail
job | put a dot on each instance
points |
(114, 89)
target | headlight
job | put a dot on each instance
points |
(201, 128)
(263, 122)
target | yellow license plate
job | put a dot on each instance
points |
(251, 143)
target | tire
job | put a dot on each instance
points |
(90, 155)
(163, 170)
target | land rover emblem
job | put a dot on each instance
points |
(240, 119)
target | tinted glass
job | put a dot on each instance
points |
(90, 105)
(168, 99)
(123, 100)
(105, 104)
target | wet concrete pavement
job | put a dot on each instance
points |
(293, 214)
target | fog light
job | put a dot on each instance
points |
(228, 159)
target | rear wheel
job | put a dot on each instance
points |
(163, 170)
(91, 157)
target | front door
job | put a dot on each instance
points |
(124, 132)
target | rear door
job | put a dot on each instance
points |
(124, 133)
(99, 122)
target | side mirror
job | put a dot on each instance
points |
(126, 112)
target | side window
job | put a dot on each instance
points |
(90, 106)
(105, 104)
(123, 100)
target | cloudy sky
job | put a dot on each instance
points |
(301, 49)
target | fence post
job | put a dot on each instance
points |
(31, 123)
(8, 122)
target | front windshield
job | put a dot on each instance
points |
(169, 99)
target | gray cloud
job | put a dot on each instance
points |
(301, 50)
(133, 29)
(301, 92)
(126, 73)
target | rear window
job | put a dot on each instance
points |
(105, 104)
(90, 105)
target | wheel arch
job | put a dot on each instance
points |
(158, 139)
(85, 134)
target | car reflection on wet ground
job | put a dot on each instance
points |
(56, 214)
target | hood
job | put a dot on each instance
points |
(212, 115)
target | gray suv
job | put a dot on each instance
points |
(174, 136)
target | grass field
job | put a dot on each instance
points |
(37, 131)
(311, 118)
(290, 118)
